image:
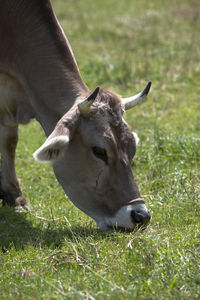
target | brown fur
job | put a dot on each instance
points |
(39, 65)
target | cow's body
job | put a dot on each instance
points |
(39, 78)
(32, 43)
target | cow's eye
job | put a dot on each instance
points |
(100, 153)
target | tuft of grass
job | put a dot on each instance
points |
(54, 251)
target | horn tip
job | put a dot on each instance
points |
(147, 88)
(96, 91)
(94, 94)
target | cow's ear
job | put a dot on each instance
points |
(52, 149)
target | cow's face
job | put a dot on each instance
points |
(91, 149)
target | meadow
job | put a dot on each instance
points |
(54, 251)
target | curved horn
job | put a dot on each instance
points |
(84, 107)
(134, 100)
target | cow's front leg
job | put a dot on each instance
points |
(10, 191)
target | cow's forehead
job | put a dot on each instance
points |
(117, 126)
(108, 103)
(109, 97)
(106, 124)
(109, 110)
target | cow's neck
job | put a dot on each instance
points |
(44, 62)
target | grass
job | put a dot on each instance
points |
(57, 252)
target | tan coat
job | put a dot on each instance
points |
(89, 143)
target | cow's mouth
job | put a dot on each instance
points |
(136, 228)
(130, 218)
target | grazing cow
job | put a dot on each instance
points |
(89, 143)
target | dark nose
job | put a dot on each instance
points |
(140, 217)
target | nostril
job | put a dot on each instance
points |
(140, 217)
(137, 217)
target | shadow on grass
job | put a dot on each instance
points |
(17, 231)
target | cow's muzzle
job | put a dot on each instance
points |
(139, 216)
(133, 215)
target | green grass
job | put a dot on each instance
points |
(57, 252)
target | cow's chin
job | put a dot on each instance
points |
(123, 219)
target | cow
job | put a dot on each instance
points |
(88, 141)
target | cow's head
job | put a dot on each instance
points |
(91, 149)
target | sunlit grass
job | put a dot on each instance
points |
(54, 251)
